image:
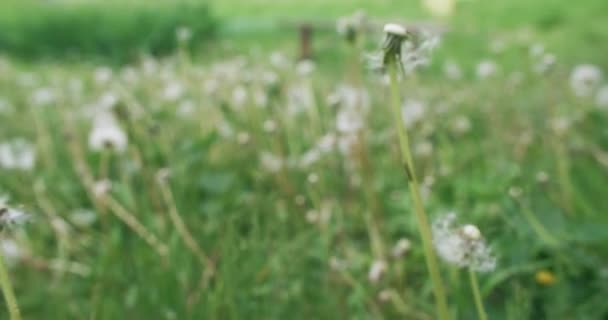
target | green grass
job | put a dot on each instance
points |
(272, 259)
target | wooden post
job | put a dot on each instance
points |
(305, 41)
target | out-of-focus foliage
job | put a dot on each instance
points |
(115, 30)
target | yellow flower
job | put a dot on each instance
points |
(545, 277)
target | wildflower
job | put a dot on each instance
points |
(515, 192)
(545, 277)
(101, 188)
(11, 217)
(309, 158)
(545, 64)
(300, 97)
(486, 69)
(11, 251)
(452, 70)
(173, 91)
(83, 218)
(584, 79)
(106, 133)
(184, 34)
(17, 154)
(43, 97)
(412, 111)
(407, 47)
(440, 8)
(462, 246)
(270, 126)
(376, 271)
(270, 162)
(461, 125)
(560, 125)
(348, 121)
(305, 68)
(349, 27)
(537, 50)
(313, 178)
(401, 248)
(243, 138)
(423, 149)
(102, 75)
(542, 177)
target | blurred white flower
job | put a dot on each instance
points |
(423, 148)
(584, 79)
(11, 217)
(461, 124)
(186, 108)
(5, 106)
(17, 154)
(349, 121)
(300, 97)
(412, 111)
(350, 97)
(440, 8)
(83, 218)
(11, 251)
(305, 67)
(271, 162)
(401, 248)
(184, 34)
(279, 60)
(102, 75)
(376, 271)
(270, 126)
(309, 158)
(462, 246)
(173, 91)
(486, 69)
(416, 51)
(452, 70)
(545, 64)
(537, 50)
(43, 97)
(239, 96)
(107, 134)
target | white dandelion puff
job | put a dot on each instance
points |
(462, 246)
(107, 134)
(17, 154)
(584, 79)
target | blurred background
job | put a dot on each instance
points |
(231, 159)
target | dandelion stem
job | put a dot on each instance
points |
(477, 295)
(421, 217)
(7, 290)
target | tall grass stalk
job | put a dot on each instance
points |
(9, 294)
(421, 217)
(481, 312)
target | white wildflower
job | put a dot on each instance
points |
(300, 97)
(270, 126)
(461, 124)
(584, 79)
(401, 248)
(271, 162)
(101, 188)
(17, 154)
(106, 133)
(423, 149)
(349, 121)
(173, 91)
(11, 251)
(412, 111)
(440, 8)
(305, 67)
(462, 246)
(327, 143)
(11, 217)
(102, 75)
(376, 271)
(452, 70)
(83, 218)
(486, 69)
(43, 97)
(184, 34)
(309, 158)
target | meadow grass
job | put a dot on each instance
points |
(262, 181)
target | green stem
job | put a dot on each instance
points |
(421, 217)
(477, 295)
(7, 290)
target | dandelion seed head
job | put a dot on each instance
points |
(584, 79)
(462, 246)
(107, 134)
(377, 271)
